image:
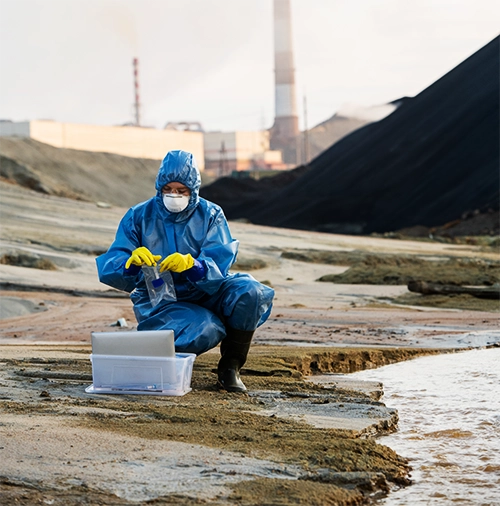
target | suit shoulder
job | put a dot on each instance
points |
(212, 212)
(142, 206)
(210, 207)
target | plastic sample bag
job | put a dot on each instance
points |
(160, 286)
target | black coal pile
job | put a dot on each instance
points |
(238, 196)
(433, 160)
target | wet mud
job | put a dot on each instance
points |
(391, 269)
(388, 269)
(461, 301)
(60, 445)
(326, 466)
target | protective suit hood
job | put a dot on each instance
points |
(181, 167)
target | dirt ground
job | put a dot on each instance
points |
(289, 441)
(74, 435)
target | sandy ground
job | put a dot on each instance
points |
(61, 444)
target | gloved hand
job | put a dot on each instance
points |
(141, 256)
(177, 262)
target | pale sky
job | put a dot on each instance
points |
(212, 60)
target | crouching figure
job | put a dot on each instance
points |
(189, 236)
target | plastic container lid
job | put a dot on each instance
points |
(157, 282)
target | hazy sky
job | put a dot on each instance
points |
(212, 60)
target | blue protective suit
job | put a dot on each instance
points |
(209, 298)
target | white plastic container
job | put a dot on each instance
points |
(113, 374)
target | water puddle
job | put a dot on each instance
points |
(449, 426)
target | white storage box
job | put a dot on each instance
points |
(114, 374)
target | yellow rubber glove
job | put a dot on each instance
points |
(177, 262)
(141, 256)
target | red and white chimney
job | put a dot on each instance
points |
(285, 131)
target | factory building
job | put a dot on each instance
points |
(136, 142)
(229, 152)
(218, 153)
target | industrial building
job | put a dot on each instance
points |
(219, 153)
(275, 149)
(228, 152)
(137, 142)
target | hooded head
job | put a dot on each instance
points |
(179, 166)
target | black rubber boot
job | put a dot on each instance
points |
(234, 350)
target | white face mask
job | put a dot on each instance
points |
(175, 203)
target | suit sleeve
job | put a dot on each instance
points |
(111, 265)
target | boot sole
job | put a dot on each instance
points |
(231, 390)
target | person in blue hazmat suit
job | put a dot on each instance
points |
(189, 236)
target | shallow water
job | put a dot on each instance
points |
(449, 428)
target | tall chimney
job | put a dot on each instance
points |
(137, 103)
(285, 131)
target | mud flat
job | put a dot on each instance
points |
(301, 442)
(290, 439)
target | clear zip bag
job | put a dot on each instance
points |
(160, 285)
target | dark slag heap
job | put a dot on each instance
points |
(434, 159)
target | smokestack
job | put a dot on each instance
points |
(284, 133)
(137, 103)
